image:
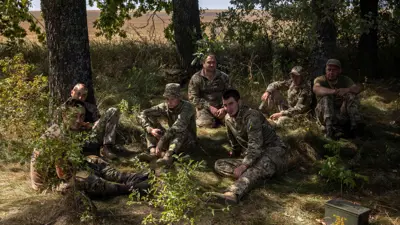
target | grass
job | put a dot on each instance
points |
(133, 72)
(297, 197)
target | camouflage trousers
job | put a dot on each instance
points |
(105, 129)
(101, 179)
(337, 115)
(264, 168)
(97, 179)
(204, 118)
(180, 143)
(275, 103)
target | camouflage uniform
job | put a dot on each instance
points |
(204, 93)
(181, 121)
(299, 98)
(261, 150)
(100, 180)
(104, 128)
(333, 109)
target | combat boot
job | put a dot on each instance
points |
(166, 160)
(146, 156)
(107, 152)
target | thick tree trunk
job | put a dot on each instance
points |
(68, 46)
(325, 45)
(186, 20)
(368, 44)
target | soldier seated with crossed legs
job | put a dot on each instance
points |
(259, 151)
(299, 96)
(96, 177)
(181, 135)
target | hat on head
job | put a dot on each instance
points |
(334, 62)
(172, 90)
(297, 70)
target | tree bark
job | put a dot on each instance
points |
(68, 46)
(368, 43)
(325, 45)
(187, 30)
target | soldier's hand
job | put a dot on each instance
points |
(221, 113)
(265, 96)
(342, 91)
(239, 171)
(275, 116)
(156, 133)
(213, 110)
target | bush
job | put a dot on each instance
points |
(24, 108)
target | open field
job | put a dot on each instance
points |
(142, 28)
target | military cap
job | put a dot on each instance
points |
(297, 70)
(334, 62)
(172, 90)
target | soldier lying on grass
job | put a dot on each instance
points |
(95, 177)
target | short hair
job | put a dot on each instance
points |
(79, 86)
(231, 93)
(204, 57)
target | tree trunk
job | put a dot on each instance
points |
(187, 30)
(68, 46)
(368, 44)
(325, 45)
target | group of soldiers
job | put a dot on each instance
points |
(258, 152)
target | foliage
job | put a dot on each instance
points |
(12, 14)
(334, 169)
(176, 192)
(114, 13)
(24, 107)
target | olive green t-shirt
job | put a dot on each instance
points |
(342, 82)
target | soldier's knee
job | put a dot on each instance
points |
(204, 122)
(113, 111)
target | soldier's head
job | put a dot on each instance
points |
(333, 69)
(172, 95)
(297, 74)
(231, 101)
(73, 114)
(209, 62)
(79, 92)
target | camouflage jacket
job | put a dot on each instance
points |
(299, 97)
(180, 119)
(91, 113)
(204, 93)
(250, 132)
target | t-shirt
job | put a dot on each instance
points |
(342, 82)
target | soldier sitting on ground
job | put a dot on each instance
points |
(103, 127)
(261, 153)
(299, 96)
(205, 92)
(181, 135)
(337, 101)
(96, 177)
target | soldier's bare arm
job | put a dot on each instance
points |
(322, 91)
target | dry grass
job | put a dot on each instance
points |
(147, 27)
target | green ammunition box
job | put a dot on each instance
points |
(339, 211)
